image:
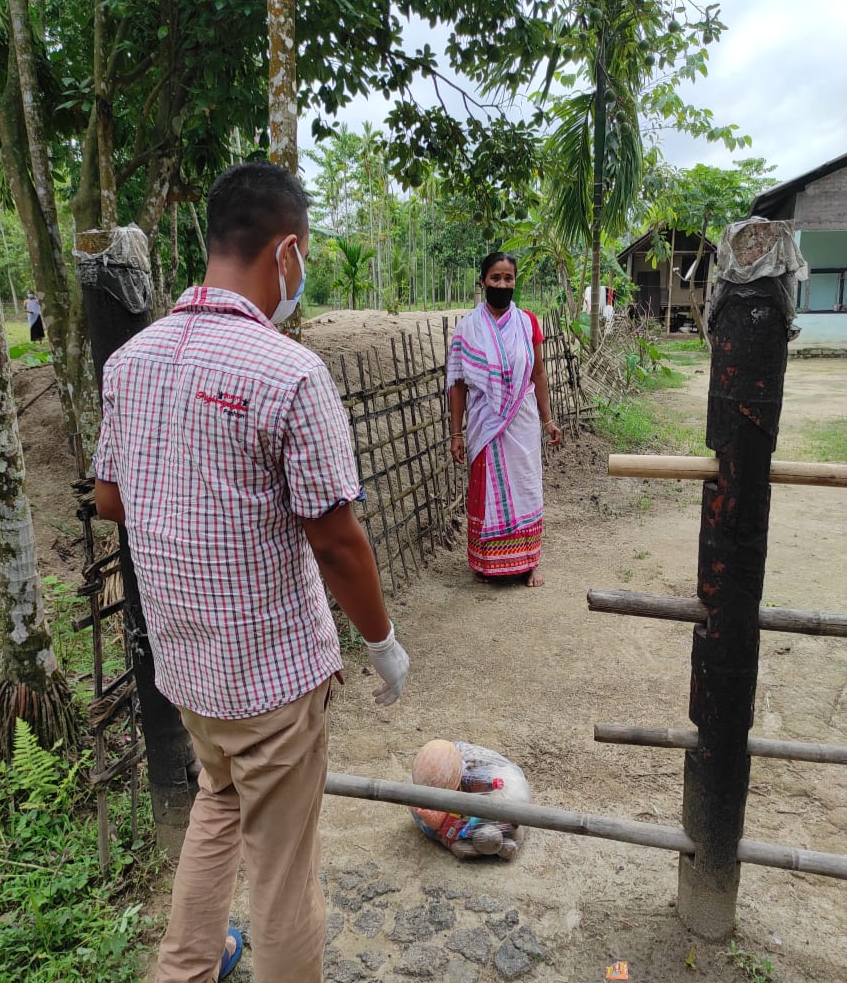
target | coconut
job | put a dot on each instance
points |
(438, 764)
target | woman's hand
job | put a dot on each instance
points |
(457, 448)
(554, 434)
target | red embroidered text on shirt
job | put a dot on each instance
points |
(228, 401)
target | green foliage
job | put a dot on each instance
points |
(73, 648)
(63, 923)
(30, 353)
(580, 328)
(353, 277)
(645, 367)
(598, 131)
(14, 258)
(700, 199)
(756, 969)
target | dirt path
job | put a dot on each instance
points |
(528, 673)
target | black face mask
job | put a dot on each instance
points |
(499, 297)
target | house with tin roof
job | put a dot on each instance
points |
(816, 202)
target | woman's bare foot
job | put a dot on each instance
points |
(534, 578)
(480, 577)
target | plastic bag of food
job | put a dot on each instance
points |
(464, 767)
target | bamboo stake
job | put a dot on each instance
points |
(692, 609)
(369, 420)
(706, 468)
(411, 429)
(415, 398)
(580, 823)
(390, 468)
(760, 747)
(432, 441)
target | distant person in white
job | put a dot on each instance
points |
(33, 313)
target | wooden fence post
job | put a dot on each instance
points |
(750, 323)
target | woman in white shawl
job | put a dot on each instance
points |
(495, 372)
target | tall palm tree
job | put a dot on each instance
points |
(597, 139)
(353, 277)
(597, 146)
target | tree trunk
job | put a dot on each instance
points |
(670, 283)
(51, 277)
(36, 138)
(170, 755)
(698, 259)
(282, 84)
(105, 121)
(423, 254)
(173, 266)
(282, 107)
(201, 242)
(597, 209)
(31, 685)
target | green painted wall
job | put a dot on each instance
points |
(824, 249)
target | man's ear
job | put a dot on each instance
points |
(287, 253)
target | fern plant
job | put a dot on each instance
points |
(62, 920)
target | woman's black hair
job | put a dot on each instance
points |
(493, 258)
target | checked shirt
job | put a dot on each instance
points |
(221, 434)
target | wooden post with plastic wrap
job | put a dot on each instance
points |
(750, 326)
(114, 272)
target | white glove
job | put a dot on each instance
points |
(390, 660)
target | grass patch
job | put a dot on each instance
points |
(17, 332)
(686, 345)
(639, 426)
(74, 649)
(689, 352)
(315, 310)
(64, 921)
(662, 380)
(826, 440)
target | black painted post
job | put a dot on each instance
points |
(749, 325)
(117, 294)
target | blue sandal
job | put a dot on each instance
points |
(230, 961)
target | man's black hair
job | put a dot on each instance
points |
(251, 204)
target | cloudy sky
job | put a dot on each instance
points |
(779, 72)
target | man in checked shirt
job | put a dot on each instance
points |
(225, 451)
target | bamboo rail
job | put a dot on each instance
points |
(760, 747)
(692, 609)
(580, 823)
(706, 468)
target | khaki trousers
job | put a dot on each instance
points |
(261, 789)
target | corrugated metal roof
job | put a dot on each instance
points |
(768, 202)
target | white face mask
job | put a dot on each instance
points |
(285, 308)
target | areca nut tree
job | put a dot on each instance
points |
(610, 72)
(353, 276)
(618, 47)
